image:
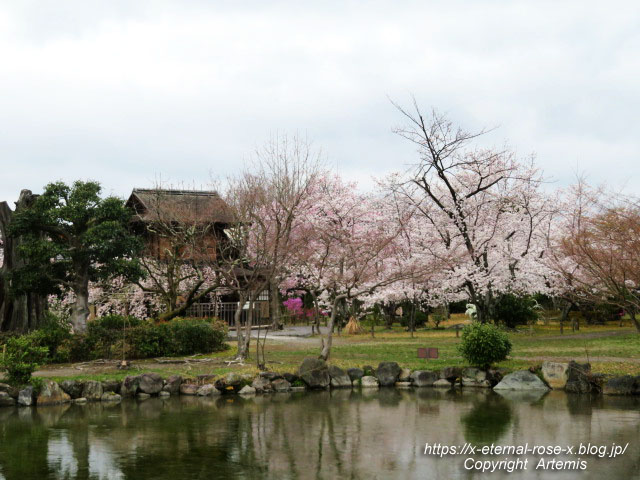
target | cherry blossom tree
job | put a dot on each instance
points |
(484, 205)
(349, 249)
(596, 246)
(270, 200)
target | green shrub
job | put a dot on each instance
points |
(484, 344)
(22, 357)
(107, 337)
(197, 336)
(419, 321)
(511, 310)
(52, 334)
(75, 349)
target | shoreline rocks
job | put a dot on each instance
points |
(339, 378)
(314, 373)
(388, 373)
(423, 378)
(150, 383)
(51, 394)
(521, 380)
(625, 385)
(92, 390)
(555, 374)
(474, 377)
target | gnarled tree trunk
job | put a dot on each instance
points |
(18, 312)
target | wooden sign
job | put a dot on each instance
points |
(427, 353)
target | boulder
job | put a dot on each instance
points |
(405, 375)
(10, 390)
(172, 385)
(52, 394)
(474, 377)
(150, 383)
(355, 374)
(625, 385)
(424, 378)
(207, 390)
(6, 400)
(164, 394)
(281, 385)
(73, 388)
(555, 374)
(110, 397)
(388, 373)
(521, 380)
(80, 401)
(271, 376)
(92, 390)
(451, 373)
(143, 396)
(299, 388)
(262, 384)
(129, 386)
(314, 372)
(188, 389)
(442, 383)
(247, 390)
(579, 379)
(25, 396)
(339, 378)
(369, 381)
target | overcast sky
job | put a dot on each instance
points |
(126, 92)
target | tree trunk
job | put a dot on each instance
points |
(412, 319)
(390, 315)
(632, 314)
(247, 330)
(18, 312)
(80, 309)
(274, 305)
(326, 345)
(316, 312)
(482, 314)
(564, 315)
(237, 319)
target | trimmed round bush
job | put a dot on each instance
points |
(22, 357)
(483, 344)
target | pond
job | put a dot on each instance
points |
(339, 434)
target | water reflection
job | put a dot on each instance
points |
(487, 421)
(339, 434)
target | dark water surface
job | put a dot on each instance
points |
(342, 434)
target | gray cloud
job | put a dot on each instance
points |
(124, 92)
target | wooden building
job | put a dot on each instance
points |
(193, 221)
(190, 226)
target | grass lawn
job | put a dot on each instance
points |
(611, 349)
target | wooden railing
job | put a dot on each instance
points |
(226, 311)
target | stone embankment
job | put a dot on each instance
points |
(316, 374)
